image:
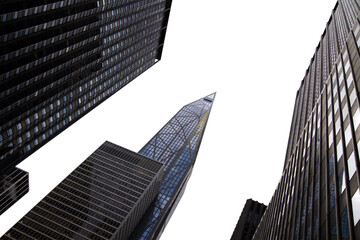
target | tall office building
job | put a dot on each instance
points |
(13, 186)
(103, 198)
(107, 195)
(318, 195)
(248, 220)
(176, 146)
(60, 59)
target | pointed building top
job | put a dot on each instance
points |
(210, 97)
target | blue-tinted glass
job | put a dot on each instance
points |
(331, 165)
(344, 224)
(175, 145)
(332, 197)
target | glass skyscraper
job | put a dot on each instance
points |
(109, 188)
(318, 195)
(60, 59)
(176, 146)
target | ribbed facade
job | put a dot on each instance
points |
(60, 59)
(332, 42)
(248, 220)
(318, 195)
(103, 198)
(176, 146)
(13, 186)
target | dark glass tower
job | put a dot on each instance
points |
(111, 194)
(248, 220)
(12, 187)
(60, 59)
(103, 198)
(318, 194)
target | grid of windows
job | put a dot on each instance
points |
(13, 186)
(60, 59)
(248, 220)
(103, 198)
(318, 194)
(332, 41)
(176, 146)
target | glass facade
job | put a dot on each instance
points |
(119, 194)
(176, 146)
(13, 186)
(249, 220)
(60, 59)
(103, 198)
(318, 194)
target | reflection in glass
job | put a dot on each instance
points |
(341, 182)
(344, 224)
(351, 165)
(355, 200)
(332, 197)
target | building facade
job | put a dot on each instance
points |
(103, 198)
(176, 146)
(14, 185)
(60, 59)
(100, 199)
(248, 220)
(318, 194)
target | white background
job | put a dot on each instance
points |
(254, 54)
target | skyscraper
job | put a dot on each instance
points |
(318, 194)
(176, 146)
(13, 185)
(248, 220)
(95, 200)
(103, 198)
(60, 59)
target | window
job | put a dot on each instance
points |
(341, 180)
(344, 224)
(355, 200)
(331, 165)
(330, 138)
(347, 135)
(347, 66)
(329, 119)
(345, 111)
(352, 97)
(339, 150)
(349, 80)
(337, 125)
(351, 165)
(356, 119)
(342, 93)
(332, 197)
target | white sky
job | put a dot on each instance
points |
(254, 54)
